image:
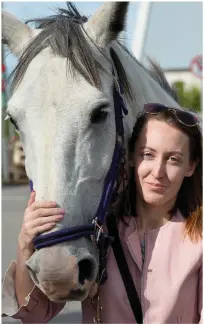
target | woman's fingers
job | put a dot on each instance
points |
(42, 212)
(41, 221)
(39, 225)
(43, 228)
(31, 225)
(42, 204)
(39, 216)
(32, 198)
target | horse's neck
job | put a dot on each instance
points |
(144, 88)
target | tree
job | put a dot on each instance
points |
(188, 97)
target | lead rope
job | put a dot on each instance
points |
(95, 301)
(98, 308)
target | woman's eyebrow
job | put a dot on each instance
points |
(149, 148)
(168, 152)
(176, 153)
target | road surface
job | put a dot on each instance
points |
(14, 201)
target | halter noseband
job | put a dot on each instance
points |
(95, 229)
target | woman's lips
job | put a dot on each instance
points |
(154, 185)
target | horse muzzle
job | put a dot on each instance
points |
(61, 275)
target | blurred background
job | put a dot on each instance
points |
(170, 33)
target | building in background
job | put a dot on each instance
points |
(171, 34)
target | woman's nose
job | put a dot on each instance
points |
(159, 169)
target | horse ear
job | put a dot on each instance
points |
(15, 33)
(107, 22)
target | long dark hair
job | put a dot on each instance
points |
(189, 199)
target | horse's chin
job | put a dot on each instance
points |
(75, 295)
(59, 295)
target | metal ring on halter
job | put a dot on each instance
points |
(98, 230)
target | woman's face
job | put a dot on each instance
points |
(161, 162)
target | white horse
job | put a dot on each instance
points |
(62, 105)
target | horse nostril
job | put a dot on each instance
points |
(85, 270)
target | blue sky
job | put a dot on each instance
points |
(175, 33)
(174, 36)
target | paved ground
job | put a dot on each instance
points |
(14, 201)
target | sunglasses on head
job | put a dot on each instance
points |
(183, 117)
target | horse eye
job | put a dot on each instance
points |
(99, 115)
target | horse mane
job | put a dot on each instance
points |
(64, 33)
(158, 75)
(156, 72)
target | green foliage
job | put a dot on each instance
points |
(188, 97)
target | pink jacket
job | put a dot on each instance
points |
(169, 284)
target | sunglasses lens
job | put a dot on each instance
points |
(183, 116)
(186, 118)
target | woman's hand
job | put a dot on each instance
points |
(39, 216)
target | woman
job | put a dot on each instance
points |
(161, 233)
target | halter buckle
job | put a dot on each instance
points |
(99, 231)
